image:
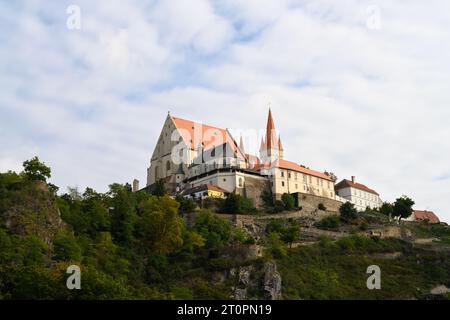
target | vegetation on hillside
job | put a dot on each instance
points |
(139, 246)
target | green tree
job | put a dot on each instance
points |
(235, 203)
(386, 209)
(66, 247)
(348, 212)
(291, 234)
(403, 207)
(187, 205)
(275, 247)
(123, 213)
(160, 189)
(216, 231)
(36, 170)
(160, 224)
(288, 201)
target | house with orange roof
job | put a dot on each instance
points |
(423, 215)
(189, 155)
(359, 194)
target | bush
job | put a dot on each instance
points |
(322, 207)
(288, 201)
(217, 232)
(329, 223)
(236, 203)
(276, 247)
(348, 212)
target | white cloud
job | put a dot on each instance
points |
(357, 101)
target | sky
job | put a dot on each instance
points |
(356, 87)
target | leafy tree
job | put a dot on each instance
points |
(217, 232)
(187, 205)
(160, 189)
(291, 234)
(288, 201)
(403, 207)
(348, 212)
(275, 246)
(123, 213)
(36, 170)
(160, 224)
(235, 203)
(386, 209)
(66, 247)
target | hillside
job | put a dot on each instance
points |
(142, 246)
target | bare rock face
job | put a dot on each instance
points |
(33, 211)
(272, 282)
(243, 281)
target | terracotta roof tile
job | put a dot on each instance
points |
(426, 215)
(349, 184)
(195, 133)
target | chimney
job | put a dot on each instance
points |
(135, 185)
(353, 179)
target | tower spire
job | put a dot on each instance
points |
(241, 145)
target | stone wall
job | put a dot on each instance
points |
(254, 187)
(309, 201)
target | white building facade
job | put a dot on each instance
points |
(358, 194)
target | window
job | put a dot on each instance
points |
(282, 183)
(224, 180)
(305, 179)
(328, 184)
(296, 176)
(282, 174)
(310, 179)
(317, 181)
(241, 182)
(296, 186)
(168, 165)
(289, 175)
(321, 182)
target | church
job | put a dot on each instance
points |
(189, 155)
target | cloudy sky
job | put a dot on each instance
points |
(356, 87)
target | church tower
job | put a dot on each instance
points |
(271, 148)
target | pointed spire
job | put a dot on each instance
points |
(280, 146)
(241, 145)
(271, 138)
(263, 145)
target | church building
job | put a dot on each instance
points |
(189, 155)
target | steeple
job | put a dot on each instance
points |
(280, 148)
(241, 145)
(271, 138)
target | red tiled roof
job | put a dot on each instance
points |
(349, 184)
(289, 165)
(194, 133)
(285, 164)
(426, 215)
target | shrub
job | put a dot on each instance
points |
(329, 223)
(278, 206)
(275, 226)
(288, 201)
(276, 247)
(322, 207)
(236, 203)
(348, 212)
